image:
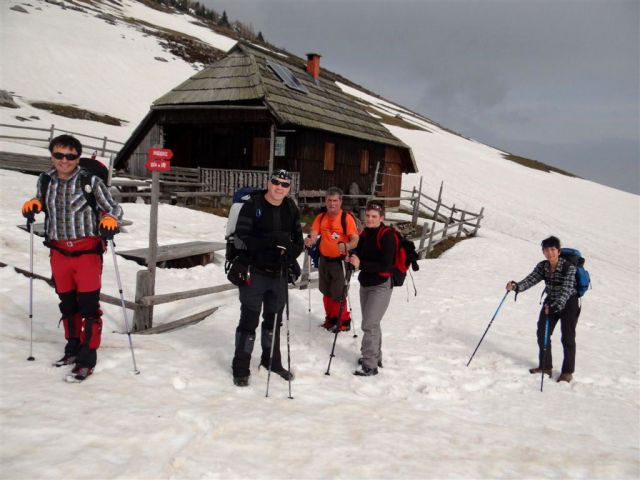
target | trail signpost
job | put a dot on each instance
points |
(159, 160)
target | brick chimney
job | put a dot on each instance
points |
(313, 64)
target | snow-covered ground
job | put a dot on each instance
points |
(426, 415)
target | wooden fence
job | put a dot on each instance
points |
(228, 181)
(104, 145)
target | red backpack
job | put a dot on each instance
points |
(405, 255)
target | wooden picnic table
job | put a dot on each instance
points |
(197, 252)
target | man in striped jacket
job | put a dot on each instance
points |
(79, 211)
(561, 303)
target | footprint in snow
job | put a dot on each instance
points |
(179, 383)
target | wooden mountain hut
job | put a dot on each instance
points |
(257, 110)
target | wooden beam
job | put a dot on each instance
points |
(181, 323)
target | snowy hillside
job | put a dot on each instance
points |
(425, 416)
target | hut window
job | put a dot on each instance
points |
(260, 153)
(329, 156)
(364, 162)
(288, 78)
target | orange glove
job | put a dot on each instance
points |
(31, 207)
(108, 227)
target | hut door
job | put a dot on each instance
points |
(392, 178)
(260, 153)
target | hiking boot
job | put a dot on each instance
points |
(565, 377)
(279, 370)
(366, 372)
(533, 371)
(330, 323)
(66, 360)
(241, 381)
(360, 360)
(78, 374)
(345, 325)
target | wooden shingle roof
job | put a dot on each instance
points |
(244, 75)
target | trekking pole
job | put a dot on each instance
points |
(30, 221)
(353, 322)
(345, 294)
(124, 308)
(286, 299)
(544, 351)
(488, 326)
(276, 325)
(309, 280)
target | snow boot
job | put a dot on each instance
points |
(360, 360)
(330, 323)
(66, 360)
(366, 372)
(278, 370)
(78, 374)
(565, 377)
(241, 381)
(533, 371)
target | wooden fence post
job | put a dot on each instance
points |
(416, 205)
(446, 227)
(429, 245)
(435, 212)
(104, 146)
(423, 237)
(143, 316)
(475, 230)
(52, 132)
(461, 226)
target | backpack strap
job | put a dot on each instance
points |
(86, 179)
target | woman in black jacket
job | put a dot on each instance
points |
(374, 256)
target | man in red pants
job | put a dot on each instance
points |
(338, 234)
(79, 211)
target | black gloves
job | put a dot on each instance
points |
(283, 241)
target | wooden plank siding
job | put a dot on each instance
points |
(307, 155)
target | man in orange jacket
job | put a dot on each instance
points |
(338, 234)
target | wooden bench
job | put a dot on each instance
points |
(178, 255)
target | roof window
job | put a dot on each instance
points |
(287, 77)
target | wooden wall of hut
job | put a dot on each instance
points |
(306, 154)
(153, 138)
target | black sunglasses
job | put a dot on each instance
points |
(68, 156)
(280, 183)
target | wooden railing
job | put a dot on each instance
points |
(228, 181)
(104, 147)
(442, 221)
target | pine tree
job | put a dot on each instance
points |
(260, 37)
(224, 21)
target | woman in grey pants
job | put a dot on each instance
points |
(374, 256)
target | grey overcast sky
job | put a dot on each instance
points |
(553, 80)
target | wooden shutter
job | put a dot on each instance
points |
(329, 156)
(364, 162)
(260, 153)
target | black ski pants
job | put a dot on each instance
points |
(265, 293)
(568, 318)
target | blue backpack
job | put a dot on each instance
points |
(575, 258)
